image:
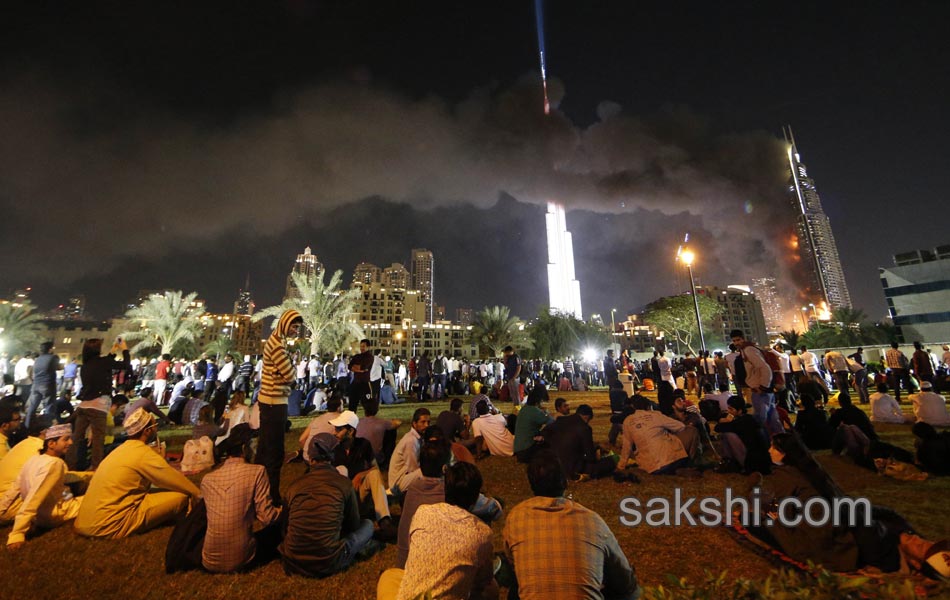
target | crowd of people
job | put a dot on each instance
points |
(755, 410)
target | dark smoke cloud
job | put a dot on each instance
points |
(86, 185)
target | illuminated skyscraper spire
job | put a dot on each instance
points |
(564, 291)
(816, 240)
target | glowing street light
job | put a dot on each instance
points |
(687, 256)
(613, 324)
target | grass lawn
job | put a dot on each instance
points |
(61, 564)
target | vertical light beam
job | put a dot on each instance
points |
(539, 19)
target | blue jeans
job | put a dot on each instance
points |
(354, 542)
(39, 396)
(764, 411)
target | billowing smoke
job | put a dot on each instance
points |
(86, 188)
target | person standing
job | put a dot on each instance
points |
(610, 369)
(43, 393)
(665, 368)
(812, 369)
(361, 365)
(95, 398)
(759, 379)
(161, 379)
(920, 361)
(513, 374)
(859, 370)
(276, 376)
(897, 364)
(837, 364)
(23, 375)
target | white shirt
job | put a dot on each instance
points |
(666, 373)
(313, 367)
(930, 407)
(731, 362)
(44, 510)
(302, 370)
(885, 409)
(235, 416)
(810, 362)
(795, 361)
(405, 458)
(21, 371)
(227, 370)
(785, 360)
(376, 371)
(835, 361)
(494, 429)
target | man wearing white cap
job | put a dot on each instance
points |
(41, 488)
(930, 407)
(118, 502)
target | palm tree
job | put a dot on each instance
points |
(221, 347)
(165, 320)
(19, 327)
(495, 327)
(791, 337)
(325, 308)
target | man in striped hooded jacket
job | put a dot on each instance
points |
(276, 376)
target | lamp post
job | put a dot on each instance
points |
(804, 318)
(687, 257)
(613, 324)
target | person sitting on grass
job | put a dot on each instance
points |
(434, 458)
(320, 424)
(491, 434)
(404, 464)
(449, 549)
(744, 441)
(24, 450)
(454, 425)
(885, 409)
(237, 494)
(660, 441)
(39, 493)
(354, 457)
(881, 539)
(531, 418)
(236, 414)
(206, 426)
(146, 401)
(930, 407)
(324, 530)
(176, 413)
(811, 423)
(119, 502)
(933, 449)
(380, 433)
(572, 440)
(560, 549)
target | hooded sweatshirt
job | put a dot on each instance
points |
(278, 371)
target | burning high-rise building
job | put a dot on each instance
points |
(816, 241)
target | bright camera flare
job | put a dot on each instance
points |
(589, 355)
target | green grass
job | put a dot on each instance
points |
(61, 564)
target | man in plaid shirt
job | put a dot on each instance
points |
(561, 549)
(236, 495)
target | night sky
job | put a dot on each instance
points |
(185, 144)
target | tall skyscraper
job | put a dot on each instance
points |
(422, 265)
(396, 276)
(244, 305)
(306, 264)
(766, 290)
(366, 273)
(564, 291)
(816, 241)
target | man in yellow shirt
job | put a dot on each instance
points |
(118, 502)
(41, 490)
(10, 420)
(12, 463)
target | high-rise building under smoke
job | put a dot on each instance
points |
(564, 291)
(816, 241)
(244, 305)
(422, 265)
(306, 264)
(766, 290)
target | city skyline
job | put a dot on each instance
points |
(182, 136)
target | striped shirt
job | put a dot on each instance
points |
(278, 371)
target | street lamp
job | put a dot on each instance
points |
(613, 324)
(804, 318)
(687, 256)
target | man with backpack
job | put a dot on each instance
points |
(761, 377)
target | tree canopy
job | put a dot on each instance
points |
(495, 327)
(164, 320)
(676, 316)
(326, 310)
(20, 328)
(559, 335)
